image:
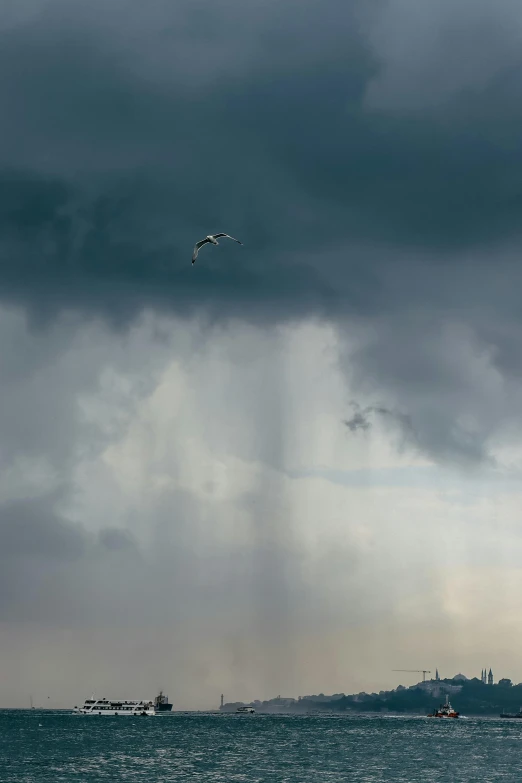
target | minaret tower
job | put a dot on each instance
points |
(490, 677)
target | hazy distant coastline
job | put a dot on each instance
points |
(472, 697)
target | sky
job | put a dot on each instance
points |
(296, 465)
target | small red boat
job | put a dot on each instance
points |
(444, 711)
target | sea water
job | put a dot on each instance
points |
(41, 747)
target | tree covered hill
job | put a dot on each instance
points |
(469, 697)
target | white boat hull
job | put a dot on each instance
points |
(112, 709)
(115, 713)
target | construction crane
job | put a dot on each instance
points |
(417, 671)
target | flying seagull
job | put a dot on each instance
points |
(212, 240)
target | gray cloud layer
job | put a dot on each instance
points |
(367, 154)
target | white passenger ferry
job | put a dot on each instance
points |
(110, 708)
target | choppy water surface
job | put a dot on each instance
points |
(41, 747)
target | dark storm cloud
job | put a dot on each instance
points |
(361, 419)
(360, 194)
(112, 166)
(400, 422)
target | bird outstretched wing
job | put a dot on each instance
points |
(197, 246)
(229, 237)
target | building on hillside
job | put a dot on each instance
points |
(438, 688)
(322, 698)
(486, 677)
(281, 701)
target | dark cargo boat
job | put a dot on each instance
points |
(161, 703)
(512, 715)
